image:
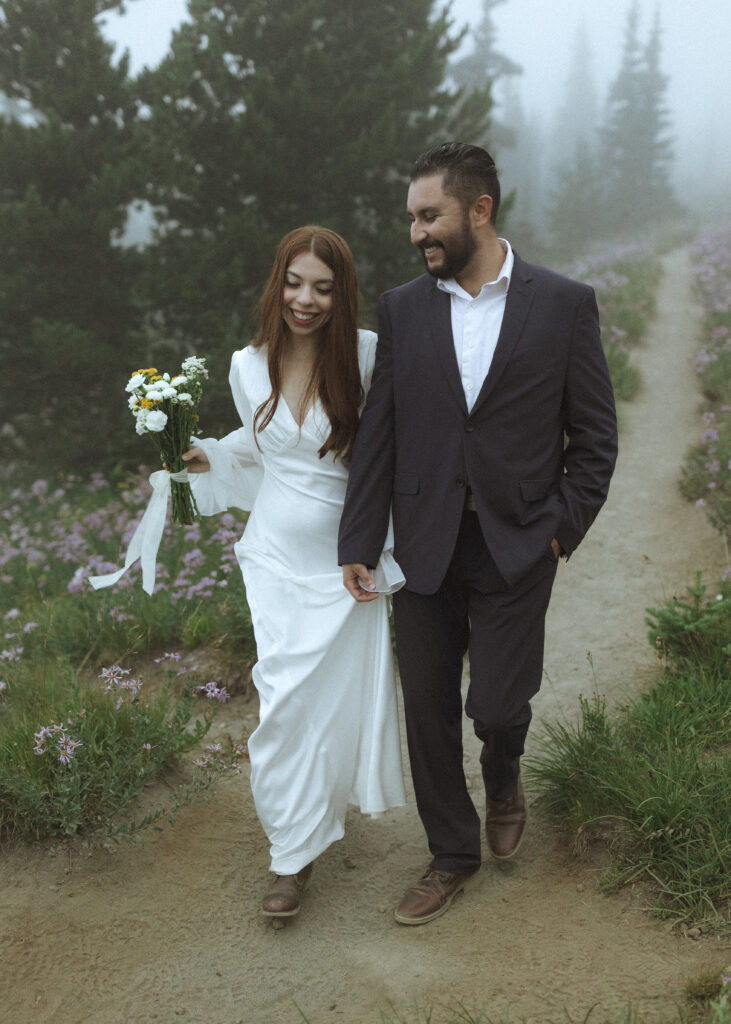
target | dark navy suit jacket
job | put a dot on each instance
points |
(537, 449)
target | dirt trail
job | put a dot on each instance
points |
(171, 931)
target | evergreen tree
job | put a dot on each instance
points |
(484, 64)
(578, 115)
(269, 114)
(66, 178)
(661, 199)
(623, 117)
(521, 167)
(636, 147)
(573, 201)
(483, 68)
(574, 210)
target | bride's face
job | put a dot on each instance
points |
(308, 294)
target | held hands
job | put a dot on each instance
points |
(196, 460)
(355, 573)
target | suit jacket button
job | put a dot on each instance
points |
(469, 427)
(460, 482)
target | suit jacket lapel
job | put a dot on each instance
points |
(517, 306)
(439, 313)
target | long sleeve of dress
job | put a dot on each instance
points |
(236, 467)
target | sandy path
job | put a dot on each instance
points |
(171, 930)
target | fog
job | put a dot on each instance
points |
(541, 37)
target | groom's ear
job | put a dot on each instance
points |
(481, 211)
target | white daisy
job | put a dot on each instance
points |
(135, 382)
(156, 420)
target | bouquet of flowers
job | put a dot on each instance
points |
(164, 409)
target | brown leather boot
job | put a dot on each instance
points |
(505, 823)
(283, 899)
(431, 896)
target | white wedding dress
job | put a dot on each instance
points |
(328, 731)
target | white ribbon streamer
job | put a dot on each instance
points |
(146, 538)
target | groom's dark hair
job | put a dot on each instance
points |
(469, 172)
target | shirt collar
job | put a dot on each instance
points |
(451, 286)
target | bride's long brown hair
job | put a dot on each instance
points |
(335, 378)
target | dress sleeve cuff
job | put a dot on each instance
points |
(232, 482)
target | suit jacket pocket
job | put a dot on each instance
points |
(405, 484)
(534, 490)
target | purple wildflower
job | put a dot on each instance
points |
(213, 692)
(67, 748)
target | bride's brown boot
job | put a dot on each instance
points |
(283, 899)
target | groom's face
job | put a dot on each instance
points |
(440, 227)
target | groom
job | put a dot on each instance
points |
(490, 431)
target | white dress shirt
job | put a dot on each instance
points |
(476, 323)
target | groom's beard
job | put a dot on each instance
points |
(456, 253)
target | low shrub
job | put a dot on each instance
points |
(73, 756)
(655, 779)
(625, 279)
(53, 535)
(95, 751)
(706, 471)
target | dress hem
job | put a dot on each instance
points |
(291, 864)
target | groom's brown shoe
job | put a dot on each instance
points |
(283, 899)
(431, 896)
(505, 823)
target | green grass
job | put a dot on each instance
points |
(654, 779)
(626, 290)
(56, 533)
(120, 742)
(706, 472)
(58, 635)
(626, 379)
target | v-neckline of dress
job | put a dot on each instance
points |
(294, 418)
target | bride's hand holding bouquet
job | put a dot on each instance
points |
(165, 410)
(196, 460)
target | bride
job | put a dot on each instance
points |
(327, 733)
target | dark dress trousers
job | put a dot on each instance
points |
(536, 451)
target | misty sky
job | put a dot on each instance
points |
(540, 35)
